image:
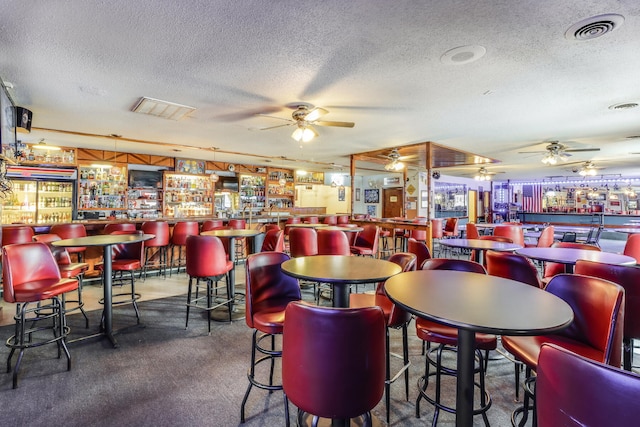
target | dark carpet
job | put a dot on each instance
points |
(164, 375)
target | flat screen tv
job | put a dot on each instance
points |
(145, 179)
(7, 119)
(228, 183)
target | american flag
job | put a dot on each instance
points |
(532, 198)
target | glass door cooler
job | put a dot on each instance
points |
(40, 196)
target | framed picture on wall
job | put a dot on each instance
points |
(341, 193)
(371, 209)
(357, 194)
(372, 195)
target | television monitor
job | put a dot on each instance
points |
(145, 179)
(228, 183)
(7, 119)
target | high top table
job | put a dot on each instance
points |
(232, 235)
(340, 271)
(569, 256)
(107, 241)
(473, 302)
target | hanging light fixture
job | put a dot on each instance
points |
(214, 176)
(482, 175)
(394, 165)
(588, 169)
(304, 133)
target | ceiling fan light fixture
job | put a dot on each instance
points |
(304, 134)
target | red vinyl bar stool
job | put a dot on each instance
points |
(13, 235)
(71, 231)
(239, 224)
(574, 390)
(68, 270)
(367, 242)
(122, 226)
(420, 250)
(273, 241)
(207, 260)
(212, 224)
(30, 275)
(161, 242)
(338, 372)
(343, 219)
(330, 220)
(395, 317)
(268, 291)
(181, 231)
(632, 247)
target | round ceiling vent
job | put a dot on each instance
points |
(594, 27)
(463, 55)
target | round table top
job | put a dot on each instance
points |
(480, 244)
(346, 229)
(231, 233)
(340, 269)
(479, 302)
(571, 255)
(103, 240)
(629, 230)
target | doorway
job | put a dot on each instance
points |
(392, 201)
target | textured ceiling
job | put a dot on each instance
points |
(81, 65)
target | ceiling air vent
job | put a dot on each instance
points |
(594, 27)
(165, 109)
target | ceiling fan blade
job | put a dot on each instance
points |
(533, 152)
(274, 127)
(575, 150)
(243, 115)
(338, 124)
(315, 114)
(275, 117)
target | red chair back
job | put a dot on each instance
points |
(294, 220)
(158, 228)
(397, 315)
(333, 242)
(343, 219)
(472, 231)
(212, 224)
(237, 224)
(206, 257)
(311, 220)
(13, 235)
(273, 241)
(512, 266)
(420, 250)
(598, 314)
(453, 264)
(628, 277)
(513, 232)
(269, 227)
(303, 242)
(26, 263)
(124, 226)
(353, 336)
(266, 285)
(436, 228)
(60, 254)
(451, 227)
(547, 237)
(368, 238)
(573, 390)
(182, 230)
(70, 231)
(632, 247)
(132, 252)
(330, 220)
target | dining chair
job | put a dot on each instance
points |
(312, 378)
(206, 260)
(420, 250)
(240, 242)
(513, 232)
(474, 253)
(632, 247)
(628, 277)
(333, 242)
(30, 275)
(472, 231)
(273, 241)
(395, 317)
(119, 226)
(160, 229)
(267, 292)
(574, 390)
(546, 239)
(447, 338)
(71, 231)
(366, 243)
(181, 230)
(451, 228)
(512, 266)
(595, 333)
(212, 224)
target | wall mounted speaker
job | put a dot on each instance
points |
(23, 120)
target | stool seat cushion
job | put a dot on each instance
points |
(428, 330)
(527, 349)
(72, 270)
(270, 322)
(39, 290)
(369, 300)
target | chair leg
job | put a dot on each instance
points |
(627, 347)
(186, 325)
(387, 382)
(250, 374)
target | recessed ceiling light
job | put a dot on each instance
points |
(463, 55)
(594, 27)
(623, 106)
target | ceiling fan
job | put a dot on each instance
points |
(303, 117)
(556, 151)
(395, 160)
(586, 168)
